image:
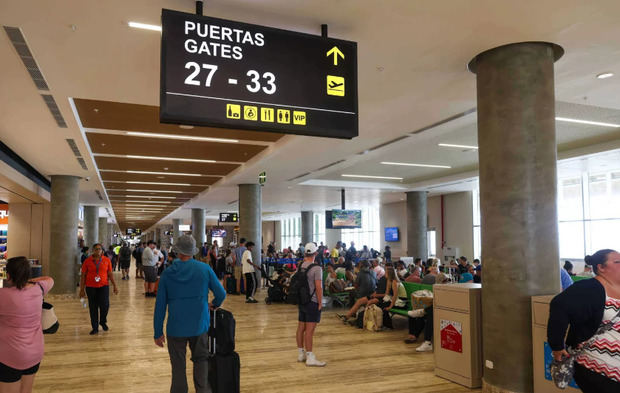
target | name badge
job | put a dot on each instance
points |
(97, 278)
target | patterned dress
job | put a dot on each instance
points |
(603, 355)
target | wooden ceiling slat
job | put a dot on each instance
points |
(157, 187)
(137, 164)
(124, 176)
(158, 147)
(145, 118)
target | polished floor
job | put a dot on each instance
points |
(125, 359)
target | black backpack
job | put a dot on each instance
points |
(125, 253)
(299, 289)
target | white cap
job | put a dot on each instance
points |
(311, 248)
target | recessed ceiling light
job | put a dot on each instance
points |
(374, 177)
(170, 159)
(161, 184)
(181, 137)
(186, 127)
(457, 146)
(605, 75)
(154, 172)
(588, 122)
(144, 26)
(417, 165)
(152, 191)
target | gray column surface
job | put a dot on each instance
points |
(111, 239)
(250, 216)
(332, 237)
(103, 232)
(307, 225)
(91, 225)
(518, 191)
(176, 223)
(199, 222)
(64, 208)
(417, 224)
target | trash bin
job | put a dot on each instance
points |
(457, 333)
(541, 351)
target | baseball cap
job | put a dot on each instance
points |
(311, 248)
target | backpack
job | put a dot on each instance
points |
(299, 289)
(373, 318)
(125, 253)
(337, 286)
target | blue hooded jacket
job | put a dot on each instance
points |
(184, 291)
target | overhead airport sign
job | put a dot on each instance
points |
(229, 217)
(221, 73)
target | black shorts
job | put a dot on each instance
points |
(150, 273)
(310, 313)
(125, 264)
(10, 374)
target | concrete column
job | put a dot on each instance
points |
(250, 214)
(103, 232)
(417, 224)
(111, 238)
(518, 193)
(277, 237)
(91, 225)
(176, 223)
(307, 226)
(199, 221)
(63, 264)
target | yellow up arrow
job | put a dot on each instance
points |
(336, 52)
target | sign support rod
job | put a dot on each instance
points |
(199, 7)
(324, 30)
(342, 199)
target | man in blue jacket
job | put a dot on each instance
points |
(184, 290)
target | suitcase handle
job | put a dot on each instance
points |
(212, 344)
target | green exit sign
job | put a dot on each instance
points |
(262, 178)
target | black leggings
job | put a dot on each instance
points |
(98, 304)
(425, 323)
(591, 382)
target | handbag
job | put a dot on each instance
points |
(49, 320)
(563, 371)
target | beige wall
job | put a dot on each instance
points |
(269, 233)
(394, 215)
(457, 223)
(29, 236)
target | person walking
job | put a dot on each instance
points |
(151, 257)
(310, 314)
(238, 270)
(183, 291)
(124, 260)
(137, 254)
(590, 310)
(96, 271)
(112, 257)
(249, 272)
(21, 337)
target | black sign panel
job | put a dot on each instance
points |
(221, 73)
(229, 217)
(131, 231)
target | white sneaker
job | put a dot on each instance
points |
(419, 313)
(427, 346)
(301, 357)
(313, 362)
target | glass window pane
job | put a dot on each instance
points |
(602, 234)
(477, 243)
(571, 239)
(570, 199)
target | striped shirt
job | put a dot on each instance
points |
(603, 355)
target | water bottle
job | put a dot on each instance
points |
(83, 301)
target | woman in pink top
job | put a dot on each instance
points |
(21, 336)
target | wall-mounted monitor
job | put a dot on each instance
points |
(184, 228)
(218, 232)
(130, 231)
(391, 234)
(343, 219)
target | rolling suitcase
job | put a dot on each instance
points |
(224, 363)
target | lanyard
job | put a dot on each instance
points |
(97, 265)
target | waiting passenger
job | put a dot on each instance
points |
(401, 270)
(331, 275)
(377, 268)
(587, 272)
(365, 254)
(365, 286)
(387, 254)
(414, 277)
(568, 266)
(590, 310)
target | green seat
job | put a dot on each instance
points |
(579, 278)
(411, 287)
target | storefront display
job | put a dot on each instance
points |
(4, 231)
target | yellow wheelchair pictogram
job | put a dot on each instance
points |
(250, 113)
(233, 111)
(335, 85)
(299, 118)
(266, 115)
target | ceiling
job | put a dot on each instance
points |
(412, 60)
